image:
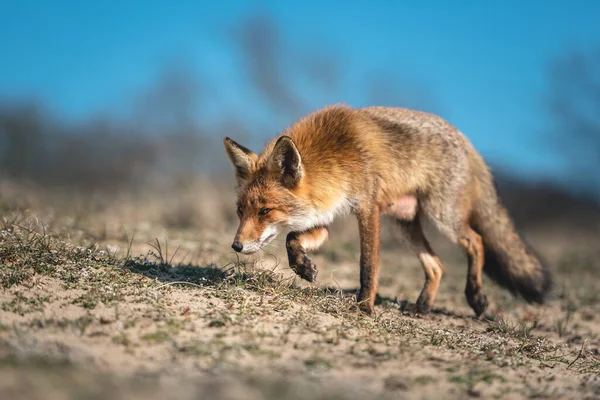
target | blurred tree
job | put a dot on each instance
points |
(175, 127)
(573, 102)
(21, 140)
(171, 103)
(262, 49)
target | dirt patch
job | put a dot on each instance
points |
(188, 319)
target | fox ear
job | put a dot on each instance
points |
(243, 160)
(286, 160)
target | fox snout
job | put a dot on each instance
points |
(248, 247)
(237, 246)
(248, 242)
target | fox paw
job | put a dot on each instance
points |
(306, 269)
(422, 306)
(365, 308)
(478, 301)
(364, 304)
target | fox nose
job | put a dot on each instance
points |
(237, 246)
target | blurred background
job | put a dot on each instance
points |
(106, 98)
(112, 117)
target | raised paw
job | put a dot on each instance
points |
(305, 269)
(477, 300)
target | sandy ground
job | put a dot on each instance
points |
(124, 301)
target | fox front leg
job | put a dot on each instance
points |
(298, 244)
(369, 231)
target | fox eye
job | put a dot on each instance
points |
(264, 211)
(239, 210)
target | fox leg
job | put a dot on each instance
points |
(369, 231)
(455, 227)
(297, 244)
(473, 245)
(429, 261)
(458, 231)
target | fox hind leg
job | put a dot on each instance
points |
(473, 245)
(431, 264)
(297, 246)
(449, 211)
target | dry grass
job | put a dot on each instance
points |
(140, 297)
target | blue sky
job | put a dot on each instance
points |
(481, 64)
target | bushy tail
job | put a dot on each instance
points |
(508, 259)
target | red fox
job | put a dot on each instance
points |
(371, 161)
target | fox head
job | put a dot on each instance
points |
(267, 186)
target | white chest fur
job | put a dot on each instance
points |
(314, 217)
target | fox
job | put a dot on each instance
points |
(404, 164)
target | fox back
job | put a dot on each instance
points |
(374, 161)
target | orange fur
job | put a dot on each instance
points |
(312, 240)
(371, 161)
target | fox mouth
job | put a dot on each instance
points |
(268, 239)
(254, 247)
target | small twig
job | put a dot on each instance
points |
(578, 355)
(129, 242)
(174, 254)
(339, 287)
(178, 283)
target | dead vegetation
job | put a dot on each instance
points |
(113, 300)
(130, 291)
